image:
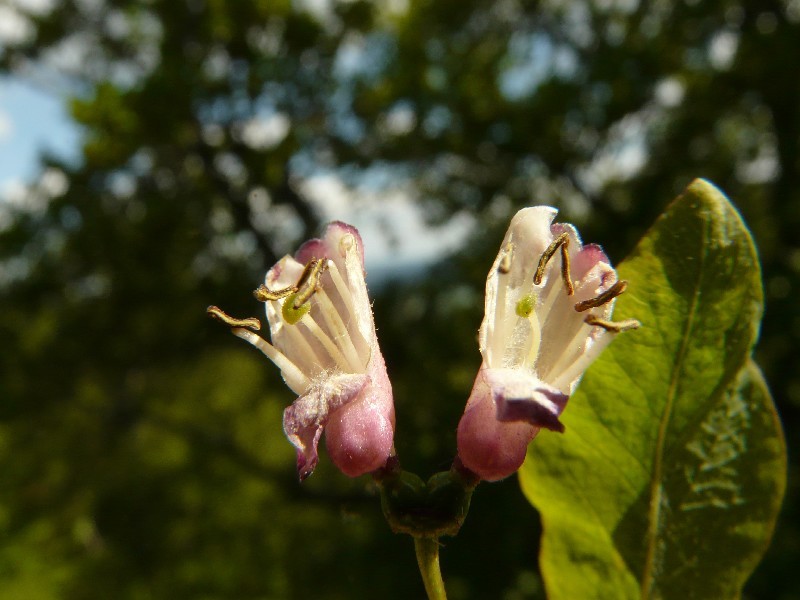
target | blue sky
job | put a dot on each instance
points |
(31, 121)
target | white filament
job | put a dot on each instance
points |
(301, 347)
(293, 376)
(341, 336)
(326, 342)
(344, 293)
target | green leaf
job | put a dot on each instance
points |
(669, 477)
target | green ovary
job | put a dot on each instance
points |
(291, 314)
(526, 305)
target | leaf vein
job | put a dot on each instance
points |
(656, 489)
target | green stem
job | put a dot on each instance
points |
(427, 549)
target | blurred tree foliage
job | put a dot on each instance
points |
(142, 449)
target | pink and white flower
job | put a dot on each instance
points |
(324, 342)
(546, 319)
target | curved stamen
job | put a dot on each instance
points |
(307, 284)
(565, 273)
(562, 242)
(291, 372)
(220, 315)
(613, 326)
(311, 273)
(311, 268)
(615, 290)
(263, 294)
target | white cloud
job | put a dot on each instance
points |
(54, 182)
(18, 195)
(329, 194)
(6, 127)
(396, 237)
(14, 192)
(14, 27)
(36, 7)
(622, 155)
(263, 133)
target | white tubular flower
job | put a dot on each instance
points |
(324, 342)
(549, 301)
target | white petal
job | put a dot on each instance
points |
(528, 236)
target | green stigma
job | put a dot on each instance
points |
(526, 305)
(291, 314)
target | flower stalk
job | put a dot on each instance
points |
(427, 549)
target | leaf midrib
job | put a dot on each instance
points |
(656, 489)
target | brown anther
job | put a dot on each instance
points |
(565, 273)
(562, 241)
(612, 326)
(303, 296)
(505, 262)
(309, 280)
(615, 290)
(220, 315)
(311, 272)
(264, 294)
(312, 269)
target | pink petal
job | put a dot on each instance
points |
(490, 448)
(305, 419)
(359, 438)
(520, 396)
(586, 259)
(314, 248)
(328, 245)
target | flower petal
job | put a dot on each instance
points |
(360, 436)
(305, 419)
(491, 448)
(329, 245)
(586, 258)
(520, 396)
(527, 237)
